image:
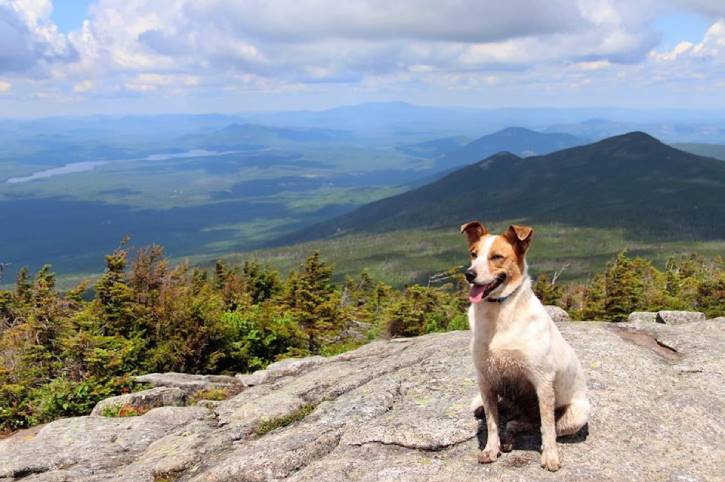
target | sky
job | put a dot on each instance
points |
(75, 57)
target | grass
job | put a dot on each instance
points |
(123, 411)
(294, 416)
(214, 394)
(413, 255)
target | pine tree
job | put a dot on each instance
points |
(44, 326)
(624, 288)
(261, 283)
(594, 299)
(114, 298)
(313, 301)
(23, 286)
(548, 292)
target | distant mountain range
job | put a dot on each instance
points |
(517, 140)
(631, 181)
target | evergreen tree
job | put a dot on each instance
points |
(595, 295)
(548, 292)
(23, 286)
(114, 298)
(261, 283)
(624, 288)
(313, 302)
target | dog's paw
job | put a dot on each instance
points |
(550, 461)
(486, 456)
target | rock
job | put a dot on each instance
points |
(286, 367)
(556, 313)
(294, 366)
(642, 317)
(190, 383)
(252, 379)
(399, 411)
(143, 401)
(679, 317)
(81, 447)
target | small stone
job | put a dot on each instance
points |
(142, 401)
(253, 379)
(679, 317)
(190, 383)
(556, 313)
(642, 316)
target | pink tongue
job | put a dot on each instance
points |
(476, 294)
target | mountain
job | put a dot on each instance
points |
(709, 150)
(518, 140)
(670, 127)
(396, 121)
(631, 181)
(436, 148)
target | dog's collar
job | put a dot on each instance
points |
(501, 299)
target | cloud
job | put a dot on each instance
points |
(29, 42)
(83, 86)
(136, 48)
(5, 86)
(711, 48)
(714, 9)
(328, 40)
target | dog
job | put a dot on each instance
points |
(518, 351)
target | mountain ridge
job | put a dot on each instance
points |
(519, 140)
(632, 181)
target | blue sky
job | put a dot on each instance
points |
(68, 15)
(139, 56)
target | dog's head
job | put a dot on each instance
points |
(498, 262)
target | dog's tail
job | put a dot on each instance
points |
(573, 417)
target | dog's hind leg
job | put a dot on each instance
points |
(573, 417)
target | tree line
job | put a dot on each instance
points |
(61, 352)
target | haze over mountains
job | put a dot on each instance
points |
(209, 185)
(517, 140)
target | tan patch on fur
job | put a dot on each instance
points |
(474, 231)
(510, 263)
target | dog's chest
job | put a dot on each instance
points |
(503, 366)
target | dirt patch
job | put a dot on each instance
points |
(644, 339)
(25, 434)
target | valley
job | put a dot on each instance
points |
(209, 186)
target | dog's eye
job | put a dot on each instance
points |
(496, 257)
(473, 255)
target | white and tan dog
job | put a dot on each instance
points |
(517, 349)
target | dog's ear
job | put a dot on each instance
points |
(473, 231)
(519, 237)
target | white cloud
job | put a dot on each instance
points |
(711, 48)
(5, 86)
(29, 41)
(207, 47)
(293, 40)
(83, 86)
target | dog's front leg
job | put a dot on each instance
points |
(493, 445)
(549, 453)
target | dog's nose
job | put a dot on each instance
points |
(470, 275)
